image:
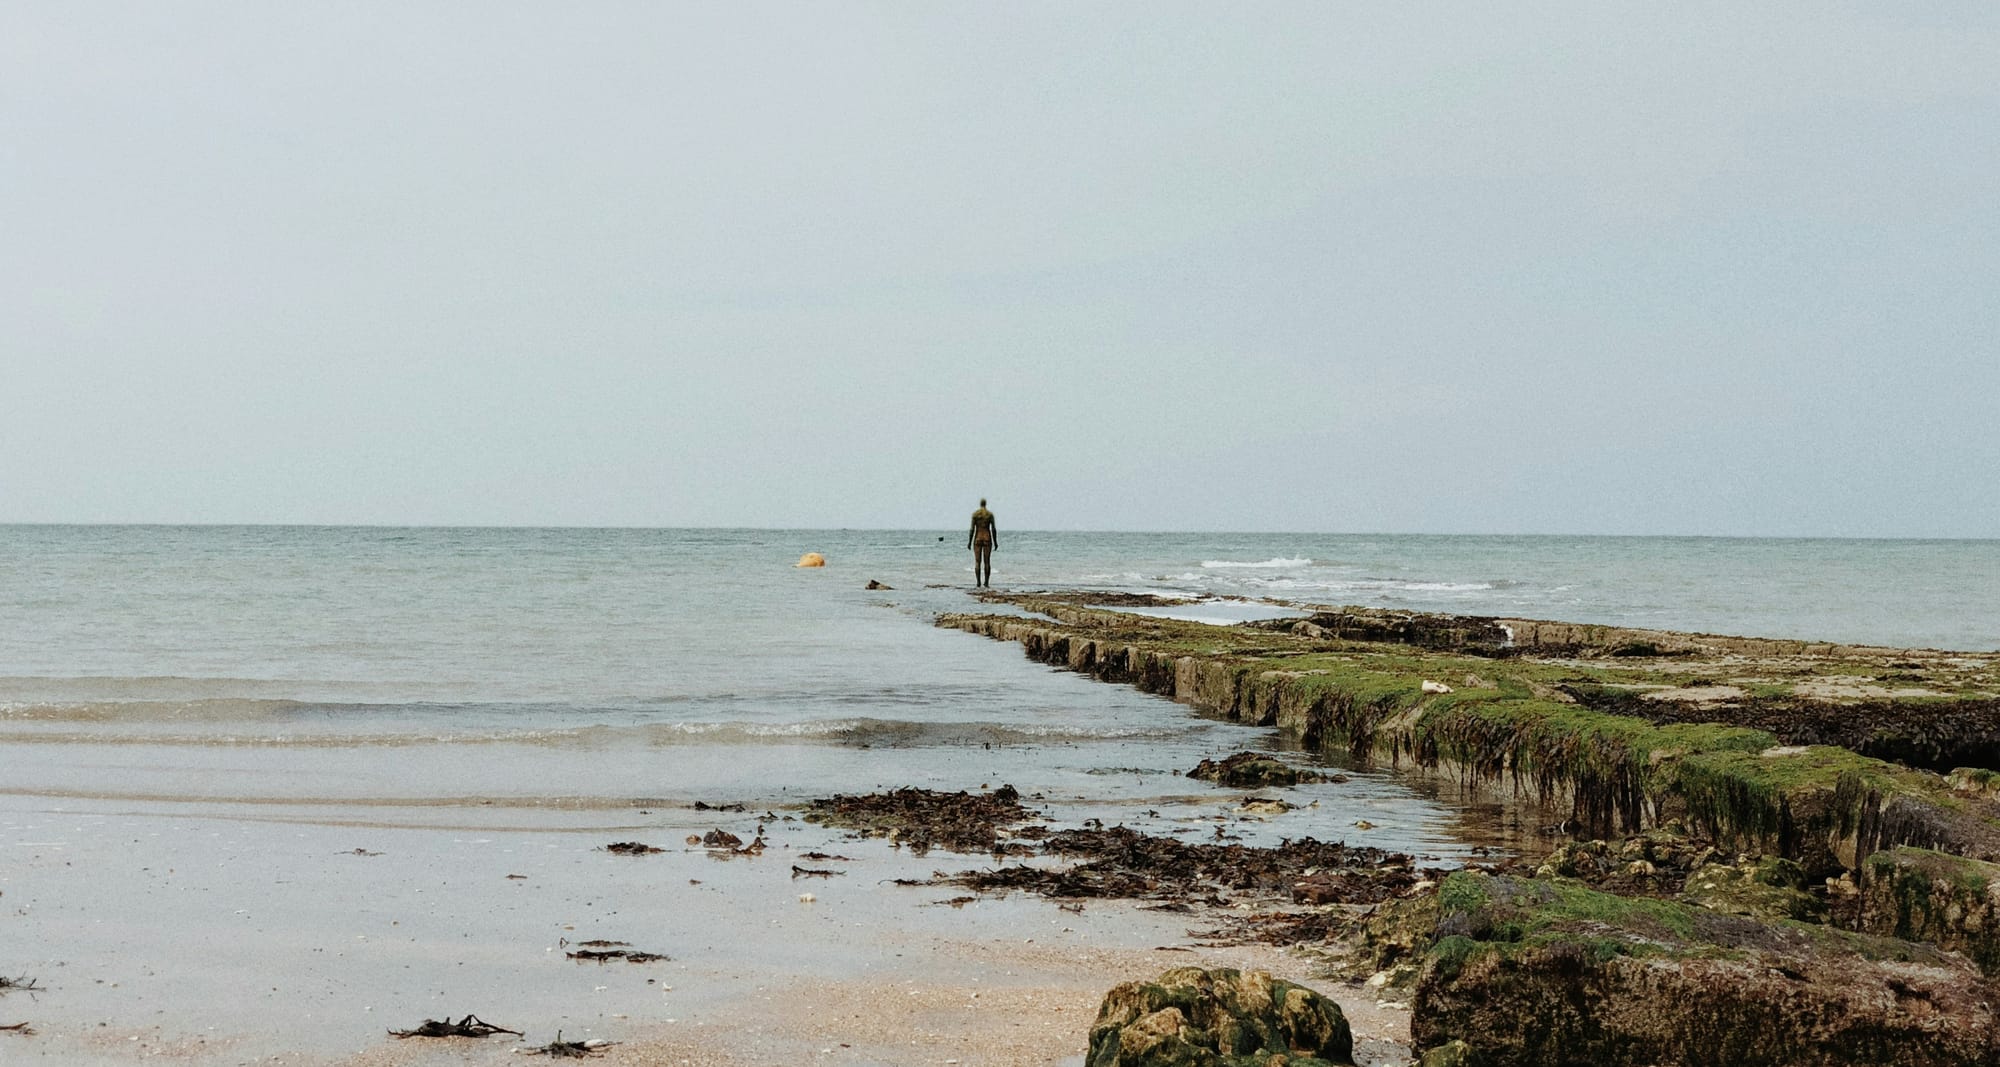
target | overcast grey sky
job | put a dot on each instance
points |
(1596, 268)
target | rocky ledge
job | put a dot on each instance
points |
(1544, 971)
(1744, 891)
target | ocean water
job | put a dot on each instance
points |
(516, 671)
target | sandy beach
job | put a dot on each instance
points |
(232, 934)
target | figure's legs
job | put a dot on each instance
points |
(982, 564)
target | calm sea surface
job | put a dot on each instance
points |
(604, 668)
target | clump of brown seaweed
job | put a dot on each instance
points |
(924, 818)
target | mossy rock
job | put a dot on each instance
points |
(1534, 971)
(1769, 887)
(1252, 770)
(1653, 863)
(1451, 1054)
(1395, 933)
(1760, 780)
(1192, 1017)
(1976, 781)
(1949, 901)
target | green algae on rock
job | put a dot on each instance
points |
(1511, 718)
(1950, 901)
(1769, 887)
(1191, 1017)
(1451, 1054)
(1632, 730)
(1536, 971)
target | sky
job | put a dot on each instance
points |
(1611, 268)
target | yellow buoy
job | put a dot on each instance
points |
(812, 559)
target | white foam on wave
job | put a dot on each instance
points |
(1275, 563)
(1361, 585)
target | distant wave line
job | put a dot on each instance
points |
(860, 731)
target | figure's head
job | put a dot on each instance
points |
(982, 501)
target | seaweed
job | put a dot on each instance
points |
(1123, 863)
(923, 818)
(1620, 761)
(570, 1050)
(470, 1026)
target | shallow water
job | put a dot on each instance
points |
(605, 670)
(527, 669)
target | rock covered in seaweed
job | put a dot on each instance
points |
(1536, 971)
(1654, 863)
(1920, 895)
(1191, 1017)
(1769, 887)
(1565, 712)
(1252, 770)
(1421, 629)
(1450, 1054)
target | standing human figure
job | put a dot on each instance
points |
(982, 540)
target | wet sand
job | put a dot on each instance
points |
(212, 932)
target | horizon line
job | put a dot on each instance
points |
(1020, 531)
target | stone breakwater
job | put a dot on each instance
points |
(1639, 730)
(1629, 736)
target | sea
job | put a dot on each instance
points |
(583, 670)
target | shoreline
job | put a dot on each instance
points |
(1668, 745)
(199, 905)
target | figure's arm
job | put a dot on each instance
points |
(994, 525)
(970, 534)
